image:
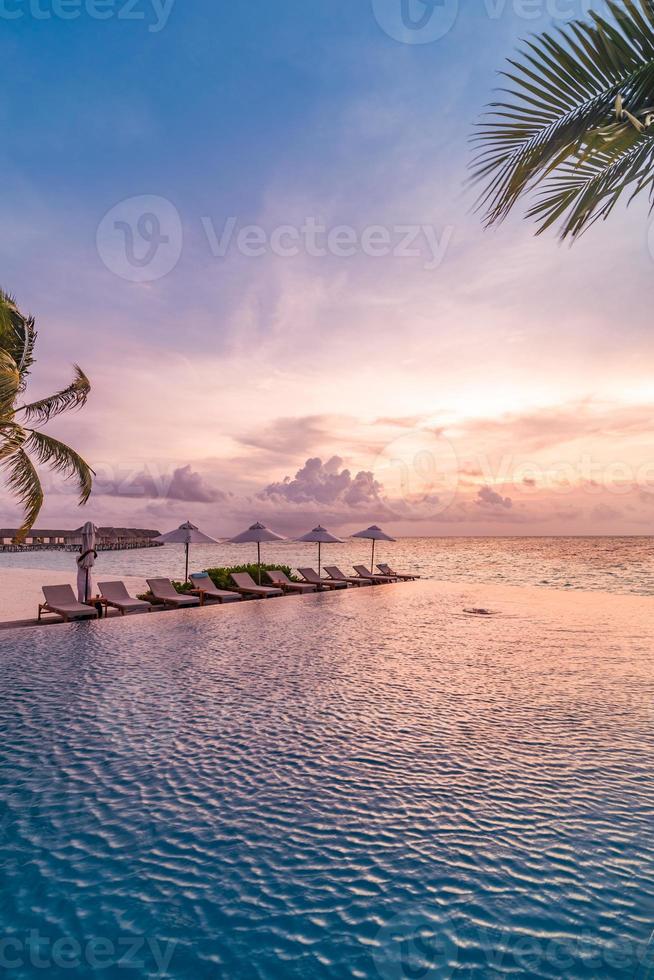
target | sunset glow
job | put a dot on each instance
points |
(299, 320)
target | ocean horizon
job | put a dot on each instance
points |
(619, 564)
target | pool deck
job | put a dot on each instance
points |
(52, 620)
(22, 578)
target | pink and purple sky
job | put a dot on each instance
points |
(367, 352)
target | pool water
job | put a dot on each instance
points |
(372, 784)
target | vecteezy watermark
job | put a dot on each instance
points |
(416, 945)
(550, 10)
(141, 238)
(146, 955)
(318, 240)
(426, 21)
(419, 471)
(154, 13)
(424, 474)
(416, 21)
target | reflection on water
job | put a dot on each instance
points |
(621, 565)
(363, 785)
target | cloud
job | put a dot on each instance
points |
(605, 512)
(554, 426)
(328, 484)
(489, 498)
(183, 484)
(290, 436)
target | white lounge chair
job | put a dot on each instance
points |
(164, 590)
(311, 575)
(335, 573)
(368, 576)
(115, 594)
(206, 588)
(60, 600)
(387, 570)
(282, 580)
(247, 586)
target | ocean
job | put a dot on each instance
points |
(622, 565)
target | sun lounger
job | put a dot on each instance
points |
(366, 574)
(282, 581)
(311, 575)
(247, 586)
(115, 594)
(387, 570)
(60, 600)
(206, 588)
(336, 574)
(164, 590)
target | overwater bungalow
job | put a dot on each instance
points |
(108, 539)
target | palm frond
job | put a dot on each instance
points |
(9, 384)
(589, 188)
(62, 459)
(12, 437)
(579, 112)
(72, 397)
(23, 481)
(17, 342)
(17, 334)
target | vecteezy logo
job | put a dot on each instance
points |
(419, 472)
(413, 946)
(140, 239)
(416, 21)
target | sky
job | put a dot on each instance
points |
(249, 224)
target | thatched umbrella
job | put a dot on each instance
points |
(257, 533)
(373, 533)
(186, 534)
(320, 535)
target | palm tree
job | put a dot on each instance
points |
(22, 442)
(577, 123)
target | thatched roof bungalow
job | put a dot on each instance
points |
(109, 538)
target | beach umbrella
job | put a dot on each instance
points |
(186, 534)
(373, 533)
(320, 536)
(257, 534)
(86, 561)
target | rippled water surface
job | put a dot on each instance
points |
(606, 564)
(375, 784)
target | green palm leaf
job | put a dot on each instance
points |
(578, 122)
(72, 397)
(17, 334)
(9, 384)
(23, 480)
(62, 459)
(17, 342)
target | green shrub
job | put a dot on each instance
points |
(222, 580)
(221, 576)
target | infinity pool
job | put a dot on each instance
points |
(376, 784)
